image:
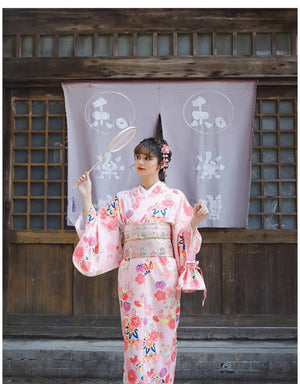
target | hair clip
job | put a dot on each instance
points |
(165, 155)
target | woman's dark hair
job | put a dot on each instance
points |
(152, 147)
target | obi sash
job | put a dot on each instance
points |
(147, 240)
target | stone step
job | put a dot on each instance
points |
(197, 360)
(44, 380)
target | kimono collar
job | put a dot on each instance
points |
(148, 191)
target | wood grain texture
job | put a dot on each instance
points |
(97, 295)
(251, 275)
(210, 236)
(167, 67)
(40, 280)
(147, 19)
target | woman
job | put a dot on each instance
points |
(150, 233)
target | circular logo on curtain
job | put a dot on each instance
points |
(208, 112)
(109, 112)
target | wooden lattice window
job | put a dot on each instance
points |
(273, 188)
(150, 44)
(39, 164)
(39, 172)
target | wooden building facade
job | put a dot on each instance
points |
(251, 273)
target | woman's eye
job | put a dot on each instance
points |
(148, 158)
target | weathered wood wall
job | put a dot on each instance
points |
(248, 285)
(134, 21)
(251, 275)
(85, 20)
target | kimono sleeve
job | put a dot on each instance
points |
(100, 246)
(186, 245)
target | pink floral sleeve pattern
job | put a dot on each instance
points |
(99, 249)
(156, 259)
(187, 244)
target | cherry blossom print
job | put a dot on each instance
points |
(134, 360)
(160, 295)
(132, 376)
(188, 210)
(153, 336)
(136, 321)
(102, 214)
(157, 190)
(140, 278)
(172, 323)
(150, 373)
(163, 260)
(149, 272)
(148, 343)
(85, 265)
(168, 203)
(112, 225)
(78, 253)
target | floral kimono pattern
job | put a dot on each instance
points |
(148, 236)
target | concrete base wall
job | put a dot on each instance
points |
(214, 360)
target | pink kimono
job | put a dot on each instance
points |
(148, 236)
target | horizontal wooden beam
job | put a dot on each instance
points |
(210, 236)
(189, 67)
(150, 20)
(266, 87)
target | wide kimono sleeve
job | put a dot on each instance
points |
(186, 245)
(99, 249)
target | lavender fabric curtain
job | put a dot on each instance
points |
(208, 125)
(96, 112)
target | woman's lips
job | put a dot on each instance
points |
(140, 168)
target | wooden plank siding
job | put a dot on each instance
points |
(248, 285)
(148, 19)
(35, 69)
(40, 279)
(217, 236)
(251, 275)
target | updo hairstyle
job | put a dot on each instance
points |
(152, 147)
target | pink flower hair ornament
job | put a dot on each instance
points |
(165, 155)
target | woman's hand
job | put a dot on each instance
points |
(85, 188)
(200, 213)
(85, 185)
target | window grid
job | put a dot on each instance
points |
(41, 188)
(39, 167)
(277, 218)
(126, 44)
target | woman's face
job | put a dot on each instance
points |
(146, 164)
